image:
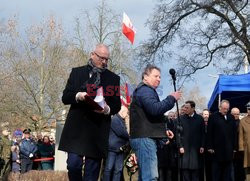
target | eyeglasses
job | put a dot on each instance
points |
(102, 58)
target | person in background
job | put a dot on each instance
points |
(183, 110)
(167, 154)
(5, 154)
(192, 142)
(15, 158)
(118, 140)
(52, 142)
(239, 173)
(46, 150)
(205, 115)
(28, 148)
(17, 137)
(221, 137)
(207, 161)
(39, 141)
(244, 140)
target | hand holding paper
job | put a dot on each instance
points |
(99, 99)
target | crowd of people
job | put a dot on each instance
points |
(191, 146)
(22, 152)
(210, 145)
(183, 145)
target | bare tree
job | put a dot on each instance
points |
(104, 26)
(36, 62)
(199, 33)
(195, 95)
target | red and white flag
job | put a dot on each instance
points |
(127, 28)
(126, 100)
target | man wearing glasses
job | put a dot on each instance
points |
(86, 130)
(221, 142)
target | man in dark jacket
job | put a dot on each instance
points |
(86, 130)
(5, 145)
(207, 159)
(192, 142)
(147, 121)
(118, 137)
(28, 149)
(221, 142)
(239, 172)
(167, 154)
(46, 150)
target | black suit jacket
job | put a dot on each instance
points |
(86, 132)
(193, 138)
(221, 136)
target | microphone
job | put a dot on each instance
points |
(172, 73)
(179, 127)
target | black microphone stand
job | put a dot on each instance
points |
(178, 132)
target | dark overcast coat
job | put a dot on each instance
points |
(86, 132)
(193, 138)
(221, 136)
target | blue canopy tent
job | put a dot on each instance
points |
(234, 88)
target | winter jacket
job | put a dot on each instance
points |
(27, 146)
(118, 135)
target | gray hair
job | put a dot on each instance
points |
(224, 101)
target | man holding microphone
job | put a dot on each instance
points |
(147, 125)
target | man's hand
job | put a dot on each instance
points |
(201, 150)
(31, 155)
(182, 151)
(210, 151)
(167, 142)
(170, 134)
(80, 96)
(177, 95)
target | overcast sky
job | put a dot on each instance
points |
(36, 11)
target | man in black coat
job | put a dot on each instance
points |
(192, 142)
(207, 159)
(86, 130)
(221, 142)
(167, 154)
(238, 160)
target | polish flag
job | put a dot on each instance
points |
(126, 100)
(127, 28)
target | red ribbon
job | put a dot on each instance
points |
(43, 159)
